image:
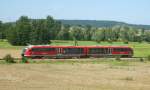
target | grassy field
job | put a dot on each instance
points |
(76, 75)
(140, 49)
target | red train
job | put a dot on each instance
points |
(39, 51)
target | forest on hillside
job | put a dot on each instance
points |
(40, 31)
(102, 23)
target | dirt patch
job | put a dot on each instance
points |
(74, 77)
(16, 53)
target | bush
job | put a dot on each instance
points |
(9, 59)
(141, 59)
(98, 41)
(118, 58)
(148, 57)
(126, 42)
(110, 41)
(128, 78)
(24, 60)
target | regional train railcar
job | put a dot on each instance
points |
(73, 52)
(54, 51)
(39, 51)
(122, 51)
(109, 51)
(99, 51)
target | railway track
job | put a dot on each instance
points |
(83, 58)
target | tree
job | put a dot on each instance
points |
(6, 29)
(89, 32)
(76, 33)
(147, 36)
(116, 32)
(98, 35)
(124, 33)
(19, 34)
(39, 33)
(53, 27)
(1, 31)
(64, 33)
(12, 35)
(33, 31)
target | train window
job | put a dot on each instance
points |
(98, 50)
(121, 49)
(117, 49)
(73, 50)
(23, 51)
(43, 49)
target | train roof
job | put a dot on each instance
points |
(44, 46)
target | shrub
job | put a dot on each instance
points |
(128, 78)
(141, 59)
(24, 60)
(148, 57)
(98, 41)
(110, 41)
(126, 42)
(9, 59)
(120, 63)
(118, 58)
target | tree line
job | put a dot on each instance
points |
(40, 31)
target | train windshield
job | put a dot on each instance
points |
(23, 51)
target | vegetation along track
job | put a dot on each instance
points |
(131, 58)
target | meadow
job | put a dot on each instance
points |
(76, 75)
(140, 49)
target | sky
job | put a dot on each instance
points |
(130, 11)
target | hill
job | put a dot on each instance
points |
(102, 23)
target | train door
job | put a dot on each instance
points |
(59, 53)
(109, 51)
(59, 50)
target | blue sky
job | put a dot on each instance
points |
(130, 11)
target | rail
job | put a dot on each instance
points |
(85, 58)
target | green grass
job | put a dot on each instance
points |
(120, 63)
(108, 61)
(111, 62)
(84, 43)
(140, 49)
(6, 45)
